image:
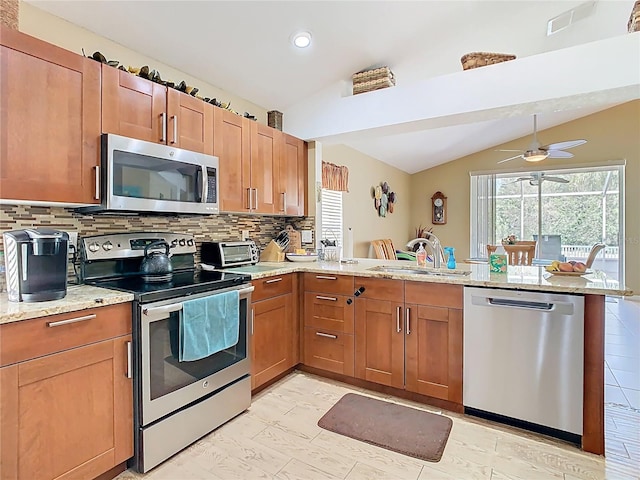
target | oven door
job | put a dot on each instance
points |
(167, 384)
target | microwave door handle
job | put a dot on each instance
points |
(200, 185)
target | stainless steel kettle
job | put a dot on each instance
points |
(156, 266)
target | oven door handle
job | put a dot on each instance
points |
(174, 307)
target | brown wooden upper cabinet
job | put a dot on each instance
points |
(139, 108)
(50, 111)
(262, 170)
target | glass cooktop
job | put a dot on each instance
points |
(180, 284)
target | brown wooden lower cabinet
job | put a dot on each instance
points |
(67, 415)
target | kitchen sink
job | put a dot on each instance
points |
(419, 271)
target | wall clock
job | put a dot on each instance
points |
(438, 208)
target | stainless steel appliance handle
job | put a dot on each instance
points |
(71, 320)
(274, 280)
(407, 327)
(324, 277)
(398, 325)
(174, 307)
(97, 194)
(205, 184)
(246, 290)
(504, 302)
(163, 119)
(320, 297)
(326, 335)
(250, 199)
(175, 128)
(129, 360)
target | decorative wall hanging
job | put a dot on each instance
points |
(335, 177)
(383, 198)
(439, 208)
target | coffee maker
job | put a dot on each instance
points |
(36, 264)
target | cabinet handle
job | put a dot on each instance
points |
(398, 325)
(273, 280)
(407, 323)
(256, 190)
(250, 199)
(326, 335)
(324, 277)
(163, 118)
(333, 299)
(252, 315)
(97, 195)
(129, 360)
(175, 128)
(71, 320)
(284, 201)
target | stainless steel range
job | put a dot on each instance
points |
(175, 402)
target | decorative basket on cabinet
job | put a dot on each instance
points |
(481, 59)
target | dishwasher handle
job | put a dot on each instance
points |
(506, 302)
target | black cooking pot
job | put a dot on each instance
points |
(156, 264)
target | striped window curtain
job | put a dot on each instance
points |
(335, 177)
(483, 214)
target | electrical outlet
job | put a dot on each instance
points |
(73, 240)
(245, 235)
(307, 236)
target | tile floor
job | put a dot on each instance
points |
(277, 438)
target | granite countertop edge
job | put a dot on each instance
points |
(79, 297)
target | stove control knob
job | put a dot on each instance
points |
(190, 242)
(182, 242)
(107, 246)
(94, 247)
(174, 242)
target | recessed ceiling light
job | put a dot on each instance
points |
(302, 39)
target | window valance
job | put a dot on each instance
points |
(335, 177)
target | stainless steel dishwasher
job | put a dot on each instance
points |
(524, 359)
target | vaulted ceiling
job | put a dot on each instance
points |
(433, 114)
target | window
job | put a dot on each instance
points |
(568, 209)
(331, 216)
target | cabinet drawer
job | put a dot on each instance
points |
(271, 287)
(331, 351)
(381, 289)
(328, 311)
(328, 283)
(436, 294)
(28, 339)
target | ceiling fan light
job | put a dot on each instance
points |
(535, 155)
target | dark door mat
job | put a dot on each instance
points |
(395, 427)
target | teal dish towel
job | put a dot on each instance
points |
(208, 325)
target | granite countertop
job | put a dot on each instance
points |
(79, 297)
(534, 278)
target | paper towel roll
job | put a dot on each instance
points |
(348, 244)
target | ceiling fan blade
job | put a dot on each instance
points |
(564, 145)
(556, 179)
(559, 154)
(512, 158)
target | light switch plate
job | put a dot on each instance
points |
(307, 236)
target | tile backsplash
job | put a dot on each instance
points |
(221, 227)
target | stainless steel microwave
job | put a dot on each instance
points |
(139, 176)
(229, 254)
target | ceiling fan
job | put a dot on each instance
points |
(537, 152)
(536, 178)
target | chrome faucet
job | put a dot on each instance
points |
(434, 244)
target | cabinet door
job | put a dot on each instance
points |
(272, 342)
(379, 335)
(50, 114)
(266, 150)
(293, 177)
(231, 144)
(434, 352)
(67, 415)
(133, 106)
(190, 122)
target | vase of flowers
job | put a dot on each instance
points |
(510, 240)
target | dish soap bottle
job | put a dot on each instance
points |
(451, 263)
(421, 256)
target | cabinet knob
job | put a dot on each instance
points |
(359, 291)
